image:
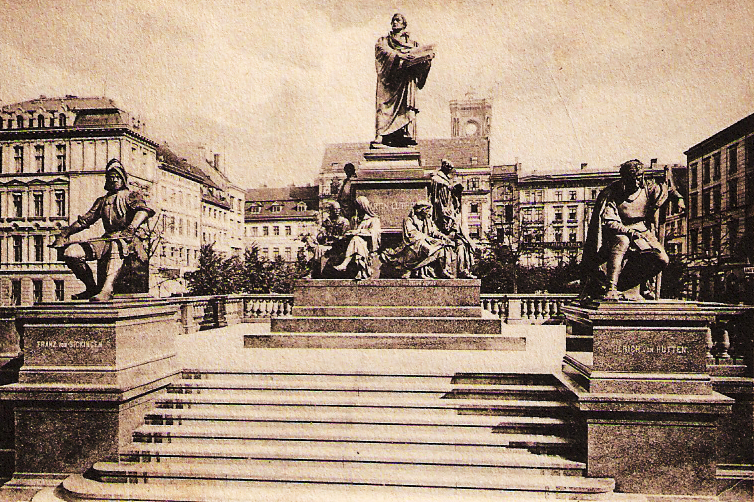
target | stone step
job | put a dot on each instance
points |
(409, 416)
(390, 325)
(356, 383)
(375, 400)
(430, 476)
(382, 311)
(385, 453)
(346, 433)
(521, 489)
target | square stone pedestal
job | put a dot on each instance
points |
(645, 397)
(89, 372)
(393, 180)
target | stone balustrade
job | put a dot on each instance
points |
(538, 308)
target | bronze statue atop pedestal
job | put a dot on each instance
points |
(122, 212)
(402, 67)
(622, 253)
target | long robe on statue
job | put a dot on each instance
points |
(398, 77)
(422, 246)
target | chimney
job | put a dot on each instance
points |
(652, 163)
(217, 162)
(583, 165)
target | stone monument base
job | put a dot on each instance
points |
(645, 397)
(89, 373)
(449, 306)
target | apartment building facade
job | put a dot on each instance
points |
(278, 218)
(53, 152)
(721, 213)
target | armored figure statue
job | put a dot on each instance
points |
(622, 252)
(122, 212)
(402, 68)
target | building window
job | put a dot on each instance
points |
(594, 193)
(288, 254)
(559, 195)
(19, 158)
(571, 214)
(693, 173)
(706, 202)
(276, 208)
(253, 231)
(572, 235)
(716, 166)
(749, 153)
(733, 193)
(474, 208)
(38, 248)
(18, 243)
(196, 229)
(694, 205)
(732, 234)
(15, 291)
(558, 215)
(59, 290)
(694, 242)
(733, 158)
(60, 207)
(301, 206)
(40, 121)
(717, 199)
(38, 204)
(706, 177)
(19, 122)
(288, 230)
(62, 120)
(37, 288)
(473, 184)
(276, 230)
(558, 235)
(572, 195)
(180, 226)
(18, 205)
(1, 156)
(265, 231)
(275, 253)
(60, 156)
(39, 158)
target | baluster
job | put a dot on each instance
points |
(257, 308)
(494, 307)
(724, 345)
(526, 308)
(709, 343)
(288, 306)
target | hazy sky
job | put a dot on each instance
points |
(270, 83)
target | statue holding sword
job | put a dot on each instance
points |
(122, 212)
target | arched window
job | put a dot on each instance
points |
(19, 121)
(40, 121)
(62, 120)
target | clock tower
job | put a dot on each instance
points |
(470, 117)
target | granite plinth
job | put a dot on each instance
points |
(386, 293)
(644, 395)
(89, 373)
(387, 306)
(393, 196)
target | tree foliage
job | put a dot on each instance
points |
(252, 273)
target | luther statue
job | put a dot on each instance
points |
(402, 68)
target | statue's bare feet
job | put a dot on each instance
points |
(613, 295)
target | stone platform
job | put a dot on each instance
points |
(387, 306)
(89, 372)
(645, 397)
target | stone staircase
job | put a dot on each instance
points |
(320, 436)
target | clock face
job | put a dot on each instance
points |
(471, 128)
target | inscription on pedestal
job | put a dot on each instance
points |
(72, 346)
(392, 205)
(650, 350)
